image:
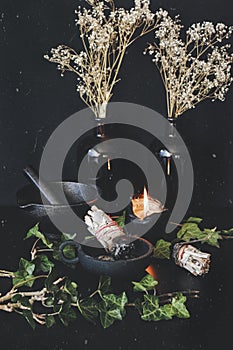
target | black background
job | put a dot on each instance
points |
(34, 100)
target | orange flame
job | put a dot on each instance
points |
(168, 166)
(145, 202)
(151, 270)
(109, 164)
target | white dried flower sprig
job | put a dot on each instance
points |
(106, 32)
(194, 70)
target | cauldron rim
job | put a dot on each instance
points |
(119, 262)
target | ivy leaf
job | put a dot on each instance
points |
(18, 298)
(194, 220)
(138, 305)
(146, 283)
(228, 232)
(71, 289)
(150, 308)
(89, 309)
(26, 266)
(52, 277)
(212, 237)
(24, 275)
(166, 312)
(61, 295)
(50, 321)
(108, 316)
(162, 249)
(43, 263)
(178, 305)
(190, 231)
(34, 232)
(68, 251)
(29, 317)
(120, 220)
(116, 301)
(66, 313)
(104, 284)
(49, 301)
(67, 236)
(153, 312)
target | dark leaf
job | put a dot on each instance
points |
(190, 231)
(138, 305)
(162, 249)
(104, 284)
(166, 312)
(146, 283)
(29, 317)
(228, 232)
(43, 264)
(26, 266)
(212, 237)
(16, 298)
(67, 237)
(116, 302)
(25, 302)
(24, 275)
(50, 321)
(108, 316)
(89, 309)
(120, 220)
(194, 220)
(52, 277)
(71, 289)
(67, 314)
(69, 252)
(34, 232)
(178, 305)
(49, 301)
(150, 308)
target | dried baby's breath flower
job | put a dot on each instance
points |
(195, 69)
(106, 32)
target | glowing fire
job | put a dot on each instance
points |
(168, 166)
(151, 270)
(145, 202)
(109, 164)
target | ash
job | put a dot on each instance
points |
(123, 251)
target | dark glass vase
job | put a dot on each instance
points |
(169, 157)
(99, 160)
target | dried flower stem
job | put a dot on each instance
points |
(106, 33)
(193, 70)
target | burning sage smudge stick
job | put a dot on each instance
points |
(108, 233)
(106, 32)
(195, 69)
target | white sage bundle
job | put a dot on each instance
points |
(192, 259)
(108, 233)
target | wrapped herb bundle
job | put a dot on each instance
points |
(192, 259)
(108, 233)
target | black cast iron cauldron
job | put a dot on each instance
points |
(129, 268)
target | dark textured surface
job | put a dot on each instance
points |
(208, 328)
(34, 100)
